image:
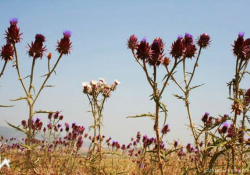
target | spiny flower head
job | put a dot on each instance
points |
(143, 50)
(203, 40)
(12, 33)
(188, 39)
(36, 48)
(165, 61)
(157, 49)
(64, 45)
(241, 47)
(190, 51)
(7, 52)
(132, 42)
(177, 48)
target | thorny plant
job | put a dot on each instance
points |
(219, 143)
(184, 48)
(153, 55)
(98, 93)
(35, 50)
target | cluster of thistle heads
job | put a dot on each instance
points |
(154, 54)
(225, 128)
(36, 49)
(94, 88)
(241, 47)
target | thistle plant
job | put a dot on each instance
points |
(98, 93)
(153, 56)
(240, 107)
(35, 50)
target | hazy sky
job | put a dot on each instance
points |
(100, 30)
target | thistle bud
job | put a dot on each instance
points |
(50, 115)
(205, 117)
(24, 123)
(203, 40)
(165, 61)
(49, 56)
(175, 143)
(132, 42)
(61, 117)
(224, 128)
(165, 129)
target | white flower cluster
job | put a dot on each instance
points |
(96, 87)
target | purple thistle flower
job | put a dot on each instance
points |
(13, 21)
(241, 34)
(67, 33)
(224, 127)
(180, 37)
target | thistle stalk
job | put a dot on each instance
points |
(4, 66)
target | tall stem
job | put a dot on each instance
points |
(18, 71)
(156, 127)
(29, 135)
(31, 74)
(4, 66)
(236, 87)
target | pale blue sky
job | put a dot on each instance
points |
(100, 30)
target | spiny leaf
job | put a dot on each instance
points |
(179, 97)
(196, 86)
(20, 98)
(44, 75)
(6, 106)
(16, 127)
(32, 147)
(41, 111)
(49, 86)
(26, 77)
(143, 115)
(164, 109)
(248, 118)
(214, 158)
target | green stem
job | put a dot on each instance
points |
(45, 81)
(156, 127)
(18, 71)
(168, 77)
(4, 66)
(31, 74)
